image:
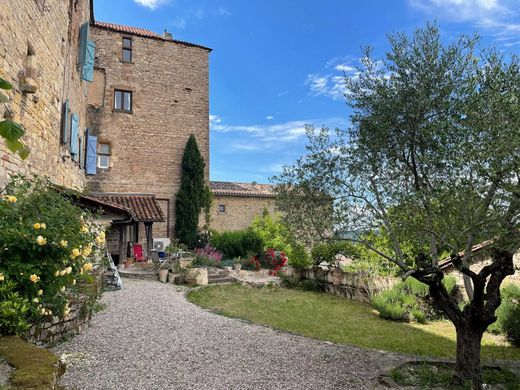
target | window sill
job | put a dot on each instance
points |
(123, 111)
(128, 62)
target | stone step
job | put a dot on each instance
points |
(221, 279)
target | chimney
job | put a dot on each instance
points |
(167, 35)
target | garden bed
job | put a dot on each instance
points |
(432, 375)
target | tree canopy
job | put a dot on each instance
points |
(431, 157)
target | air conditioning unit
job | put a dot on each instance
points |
(160, 244)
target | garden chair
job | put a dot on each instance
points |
(138, 252)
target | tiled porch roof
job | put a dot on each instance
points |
(144, 207)
(242, 189)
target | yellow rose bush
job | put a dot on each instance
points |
(46, 243)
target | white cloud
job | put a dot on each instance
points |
(274, 134)
(332, 86)
(179, 23)
(345, 68)
(214, 119)
(152, 4)
(497, 17)
(269, 117)
(221, 11)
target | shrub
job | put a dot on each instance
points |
(209, 252)
(409, 300)
(13, 309)
(326, 252)
(272, 230)
(299, 258)
(239, 243)
(273, 260)
(207, 257)
(511, 324)
(510, 295)
(46, 241)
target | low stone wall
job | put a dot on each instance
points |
(358, 286)
(54, 329)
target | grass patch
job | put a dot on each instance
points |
(434, 375)
(34, 367)
(326, 317)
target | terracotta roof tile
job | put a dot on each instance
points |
(144, 207)
(128, 29)
(142, 32)
(242, 189)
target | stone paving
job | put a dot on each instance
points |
(150, 337)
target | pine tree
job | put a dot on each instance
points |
(190, 197)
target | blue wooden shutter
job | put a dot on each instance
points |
(87, 72)
(65, 123)
(83, 43)
(74, 137)
(91, 159)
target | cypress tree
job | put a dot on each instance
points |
(190, 198)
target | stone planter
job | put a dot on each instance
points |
(237, 266)
(163, 275)
(197, 276)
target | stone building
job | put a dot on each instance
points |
(149, 93)
(235, 205)
(107, 108)
(43, 54)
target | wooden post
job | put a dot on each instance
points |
(149, 238)
(122, 243)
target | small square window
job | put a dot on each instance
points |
(123, 100)
(221, 208)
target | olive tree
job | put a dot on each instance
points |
(432, 158)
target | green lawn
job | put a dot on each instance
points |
(340, 320)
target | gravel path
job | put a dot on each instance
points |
(150, 337)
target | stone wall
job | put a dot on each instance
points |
(479, 263)
(50, 31)
(169, 82)
(55, 329)
(358, 286)
(240, 211)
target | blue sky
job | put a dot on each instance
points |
(278, 64)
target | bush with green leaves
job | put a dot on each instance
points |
(409, 300)
(507, 313)
(327, 252)
(272, 230)
(46, 242)
(13, 308)
(299, 257)
(238, 243)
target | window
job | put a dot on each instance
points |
(103, 156)
(123, 100)
(221, 208)
(127, 49)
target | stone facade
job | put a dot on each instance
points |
(39, 46)
(239, 211)
(169, 84)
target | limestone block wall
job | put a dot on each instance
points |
(169, 83)
(358, 286)
(54, 329)
(50, 32)
(239, 211)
